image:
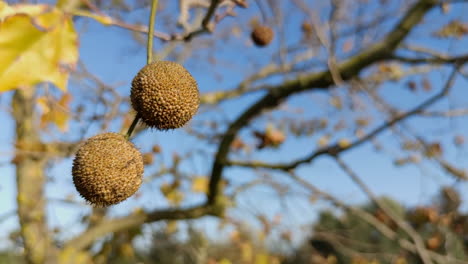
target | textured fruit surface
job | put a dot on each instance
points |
(262, 35)
(107, 169)
(165, 95)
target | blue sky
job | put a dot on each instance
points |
(111, 54)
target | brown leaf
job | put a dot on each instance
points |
(148, 158)
(270, 138)
(433, 150)
(412, 86)
(156, 149)
(237, 144)
(348, 45)
(455, 28)
(426, 85)
(459, 140)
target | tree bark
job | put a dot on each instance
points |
(30, 179)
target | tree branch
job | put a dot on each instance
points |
(432, 60)
(323, 80)
(245, 86)
(336, 149)
(112, 225)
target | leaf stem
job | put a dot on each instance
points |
(149, 47)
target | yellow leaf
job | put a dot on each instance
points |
(225, 261)
(323, 140)
(344, 143)
(6, 10)
(171, 227)
(261, 259)
(56, 113)
(72, 256)
(200, 184)
(38, 43)
(246, 251)
(43, 104)
(171, 193)
(175, 197)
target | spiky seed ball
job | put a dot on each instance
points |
(107, 169)
(165, 95)
(262, 35)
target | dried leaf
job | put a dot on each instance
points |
(459, 140)
(426, 84)
(171, 227)
(455, 28)
(344, 143)
(271, 138)
(323, 140)
(433, 150)
(348, 45)
(392, 71)
(156, 149)
(148, 158)
(237, 144)
(56, 113)
(200, 184)
(172, 194)
(336, 102)
(412, 86)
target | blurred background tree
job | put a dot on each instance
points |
(343, 173)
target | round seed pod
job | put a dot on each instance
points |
(107, 169)
(262, 35)
(164, 95)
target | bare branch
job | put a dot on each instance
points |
(323, 80)
(112, 225)
(336, 149)
(244, 87)
(432, 60)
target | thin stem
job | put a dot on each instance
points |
(149, 47)
(262, 12)
(149, 55)
(132, 126)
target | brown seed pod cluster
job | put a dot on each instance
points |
(164, 95)
(262, 35)
(107, 169)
